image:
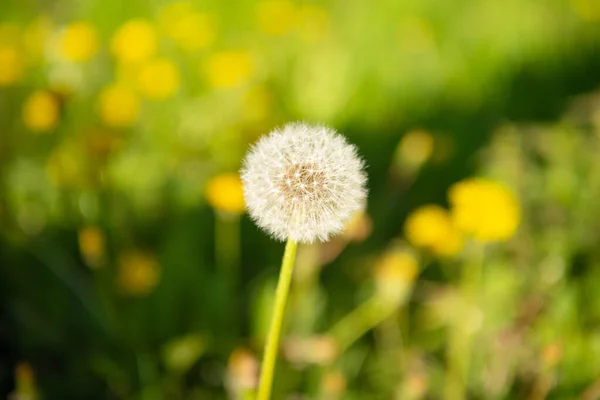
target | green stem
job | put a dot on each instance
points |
(272, 345)
(458, 352)
(361, 320)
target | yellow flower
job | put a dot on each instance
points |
(138, 273)
(191, 30)
(224, 193)
(484, 209)
(118, 106)
(276, 17)
(394, 274)
(12, 67)
(431, 227)
(159, 79)
(229, 69)
(91, 245)
(41, 111)
(134, 42)
(79, 42)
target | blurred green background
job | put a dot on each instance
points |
(129, 270)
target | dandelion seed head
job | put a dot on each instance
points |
(303, 183)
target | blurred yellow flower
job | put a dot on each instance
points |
(394, 273)
(118, 106)
(190, 29)
(41, 111)
(431, 228)
(35, 37)
(224, 193)
(484, 209)
(12, 66)
(159, 79)
(134, 42)
(276, 17)
(138, 273)
(229, 68)
(414, 149)
(79, 42)
(91, 245)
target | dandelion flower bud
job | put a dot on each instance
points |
(303, 183)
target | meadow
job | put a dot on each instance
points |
(130, 268)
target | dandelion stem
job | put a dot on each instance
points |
(361, 320)
(461, 332)
(272, 345)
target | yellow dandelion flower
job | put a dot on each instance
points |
(118, 106)
(79, 42)
(35, 37)
(190, 29)
(138, 273)
(91, 245)
(159, 79)
(41, 111)
(12, 66)
(395, 272)
(431, 228)
(276, 17)
(134, 42)
(224, 193)
(229, 68)
(484, 209)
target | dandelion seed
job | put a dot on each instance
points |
(319, 182)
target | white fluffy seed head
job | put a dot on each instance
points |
(303, 183)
